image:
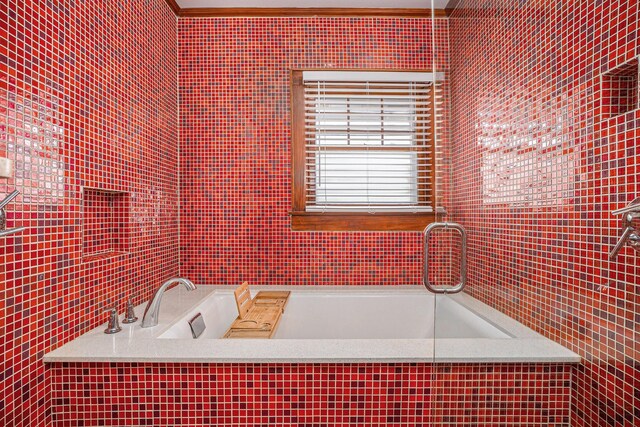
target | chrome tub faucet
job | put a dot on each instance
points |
(152, 311)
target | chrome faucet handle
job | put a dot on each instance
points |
(630, 232)
(113, 325)
(633, 206)
(626, 235)
(130, 315)
(630, 235)
(3, 215)
(9, 198)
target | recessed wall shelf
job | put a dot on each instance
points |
(620, 89)
(105, 223)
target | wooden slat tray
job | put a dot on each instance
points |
(258, 317)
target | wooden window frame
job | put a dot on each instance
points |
(302, 220)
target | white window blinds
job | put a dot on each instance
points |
(369, 141)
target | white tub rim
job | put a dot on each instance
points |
(135, 344)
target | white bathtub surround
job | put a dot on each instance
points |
(325, 324)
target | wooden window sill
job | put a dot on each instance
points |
(357, 221)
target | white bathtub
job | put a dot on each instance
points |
(324, 324)
(344, 314)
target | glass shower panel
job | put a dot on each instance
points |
(444, 241)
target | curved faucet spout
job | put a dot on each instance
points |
(152, 311)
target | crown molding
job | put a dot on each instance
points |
(174, 6)
(270, 12)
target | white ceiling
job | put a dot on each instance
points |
(438, 4)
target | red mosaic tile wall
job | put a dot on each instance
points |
(538, 165)
(311, 394)
(235, 155)
(81, 104)
(88, 97)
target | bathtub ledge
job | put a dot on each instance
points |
(135, 344)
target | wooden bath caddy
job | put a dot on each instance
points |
(257, 317)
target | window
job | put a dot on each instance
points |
(363, 152)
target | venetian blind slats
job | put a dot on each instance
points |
(369, 146)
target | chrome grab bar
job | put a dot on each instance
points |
(463, 258)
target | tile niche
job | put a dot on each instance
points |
(105, 223)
